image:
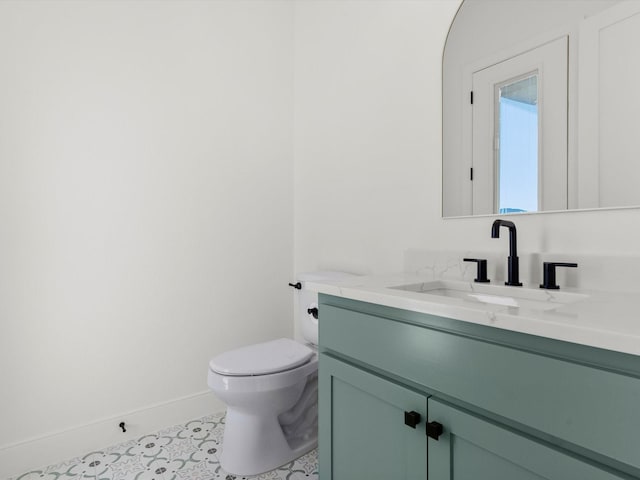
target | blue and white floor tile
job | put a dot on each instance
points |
(182, 452)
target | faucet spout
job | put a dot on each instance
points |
(513, 261)
(513, 241)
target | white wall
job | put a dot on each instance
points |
(367, 130)
(146, 219)
(368, 147)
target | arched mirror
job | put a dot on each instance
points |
(540, 106)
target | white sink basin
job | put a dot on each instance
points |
(499, 295)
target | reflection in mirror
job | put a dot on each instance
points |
(533, 119)
(517, 145)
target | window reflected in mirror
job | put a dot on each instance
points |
(516, 149)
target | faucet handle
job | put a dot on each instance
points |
(481, 275)
(549, 274)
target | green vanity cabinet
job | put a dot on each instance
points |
(366, 432)
(511, 406)
(471, 448)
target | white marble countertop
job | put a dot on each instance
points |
(607, 320)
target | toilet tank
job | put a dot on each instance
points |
(307, 324)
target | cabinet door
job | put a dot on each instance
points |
(362, 430)
(472, 449)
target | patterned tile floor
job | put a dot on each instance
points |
(182, 452)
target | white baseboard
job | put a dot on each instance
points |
(55, 447)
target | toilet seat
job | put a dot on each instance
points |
(249, 384)
(262, 359)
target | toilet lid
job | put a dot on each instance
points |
(262, 358)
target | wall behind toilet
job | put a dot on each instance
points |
(146, 183)
(368, 148)
(367, 129)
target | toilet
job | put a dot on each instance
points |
(271, 393)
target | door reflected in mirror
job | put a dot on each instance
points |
(532, 120)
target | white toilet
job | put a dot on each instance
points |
(271, 393)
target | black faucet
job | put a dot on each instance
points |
(513, 278)
(549, 274)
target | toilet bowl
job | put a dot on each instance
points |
(271, 418)
(271, 393)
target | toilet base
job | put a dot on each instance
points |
(256, 444)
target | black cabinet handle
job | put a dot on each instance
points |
(434, 430)
(481, 275)
(549, 274)
(313, 311)
(411, 419)
(297, 286)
